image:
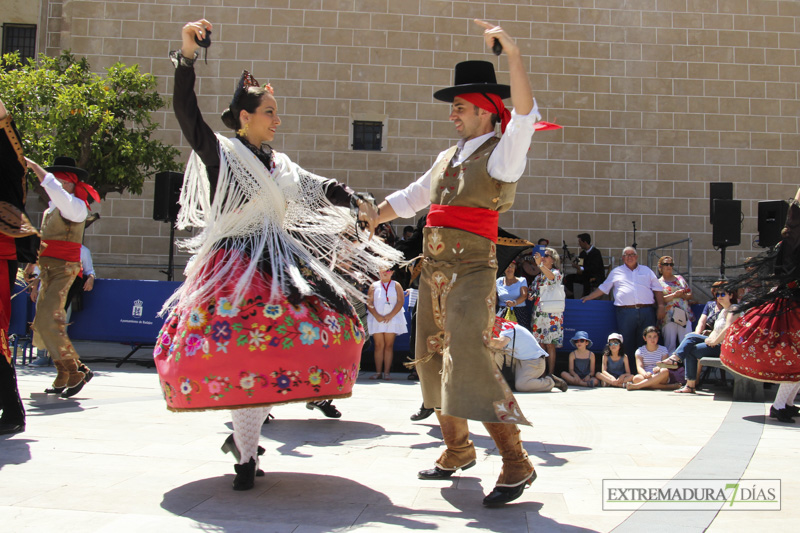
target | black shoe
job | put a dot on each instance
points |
(327, 408)
(229, 446)
(413, 376)
(793, 410)
(559, 383)
(86, 370)
(245, 475)
(54, 390)
(70, 392)
(266, 420)
(781, 414)
(502, 495)
(422, 414)
(10, 429)
(439, 473)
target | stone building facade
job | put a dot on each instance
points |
(657, 99)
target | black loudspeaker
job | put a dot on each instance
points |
(771, 219)
(167, 194)
(727, 229)
(719, 191)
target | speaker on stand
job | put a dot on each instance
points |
(771, 218)
(166, 207)
(727, 227)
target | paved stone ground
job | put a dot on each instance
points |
(114, 459)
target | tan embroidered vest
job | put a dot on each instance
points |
(469, 184)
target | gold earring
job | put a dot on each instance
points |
(243, 131)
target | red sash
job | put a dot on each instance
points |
(8, 250)
(475, 220)
(68, 251)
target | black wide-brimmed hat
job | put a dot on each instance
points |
(67, 164)
(473, 77)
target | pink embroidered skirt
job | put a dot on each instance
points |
(227, 355)
(764, 344)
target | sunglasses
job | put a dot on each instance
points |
(613, 343)
(630, 255)
(580, 340)
(548, 255)
(721, 293)
(667, 264)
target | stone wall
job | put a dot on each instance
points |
(657, 99)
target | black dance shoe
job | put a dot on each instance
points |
(422, 414)
(502, 495)
(245, 475)
(440, 473)
(10, 429)
(70, 392)
(54, 390)
(327, 408)
(781, 414)
(229, 446)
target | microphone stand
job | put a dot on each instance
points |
(634, 234)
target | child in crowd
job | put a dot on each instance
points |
(581, 362)
(385, 320)
(616, 371)
(649, 376)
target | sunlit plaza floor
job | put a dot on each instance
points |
(114, 459)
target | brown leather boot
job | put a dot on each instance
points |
(75, 377)
(460, 452)
(62, 376)
(517, 472)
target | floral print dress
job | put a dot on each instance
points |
(546, 327)
(675, 284)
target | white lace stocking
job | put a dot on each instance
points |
(247, 430)
(786, 394)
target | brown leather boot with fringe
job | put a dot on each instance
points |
(460, 452)
(517, 472)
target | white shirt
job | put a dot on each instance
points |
(71, 207)
(506, 163)
(632, 287)
(525, 346)
(86, 262)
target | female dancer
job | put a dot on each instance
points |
(262, 318)
(764, 344)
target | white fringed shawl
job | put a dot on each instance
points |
(282, 217)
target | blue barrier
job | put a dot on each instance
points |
(118, 310)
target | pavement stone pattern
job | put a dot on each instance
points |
(114, 459)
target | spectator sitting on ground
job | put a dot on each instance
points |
(616, 372)
(650, 376)
(529, 359)
(581, 362)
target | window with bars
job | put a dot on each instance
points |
(367, 135)
(20, 38)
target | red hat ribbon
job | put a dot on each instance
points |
(82, 190)
(491, 103)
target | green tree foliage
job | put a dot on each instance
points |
(62, 108)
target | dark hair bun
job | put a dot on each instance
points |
(230, 120)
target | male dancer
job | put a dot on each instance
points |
(59, 263)
(467, 187)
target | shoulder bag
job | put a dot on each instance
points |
(552, 298)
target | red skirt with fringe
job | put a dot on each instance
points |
(222, 354)
(764, 343)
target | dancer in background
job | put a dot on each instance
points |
(764, 343)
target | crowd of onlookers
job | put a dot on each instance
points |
(654, 346)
